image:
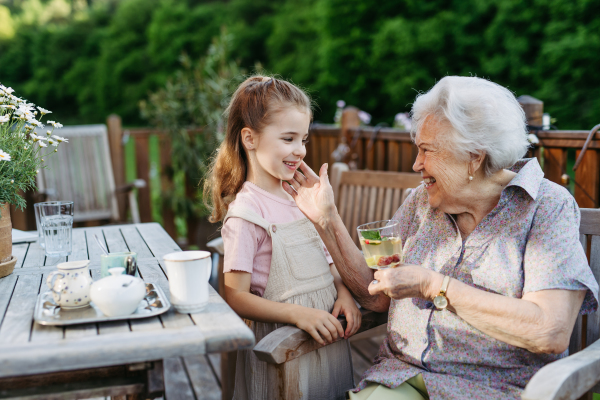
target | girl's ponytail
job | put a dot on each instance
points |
(253, 105)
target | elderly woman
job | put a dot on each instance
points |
(493, 274)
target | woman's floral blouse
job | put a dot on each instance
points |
(529, 242)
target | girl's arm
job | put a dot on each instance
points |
(345, 304)
(321, 325)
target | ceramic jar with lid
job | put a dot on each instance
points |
(118, 294)
(70, 285)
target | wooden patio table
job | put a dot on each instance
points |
(111, 349)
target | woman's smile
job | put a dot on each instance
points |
(429, 182)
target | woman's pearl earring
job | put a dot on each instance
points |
(470, 178)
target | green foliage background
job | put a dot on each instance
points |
(107, 55)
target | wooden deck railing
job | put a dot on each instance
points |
(388, 149)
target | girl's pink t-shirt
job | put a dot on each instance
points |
(248, 247)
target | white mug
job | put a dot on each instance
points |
(188, 273)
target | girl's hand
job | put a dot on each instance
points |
(321, 325)
(313, 194)
(406, 281)
(346, 306)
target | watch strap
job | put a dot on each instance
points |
(445, 284)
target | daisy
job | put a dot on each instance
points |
(36, 138)
(4, 118)
(42, 144)
(52, 142)
(44, 111)
(60, 139)
(8, 106)
(4, 156)
(57, 125)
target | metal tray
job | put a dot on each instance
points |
(47, 312)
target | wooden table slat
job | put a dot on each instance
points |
(35, 257)
(135, 242)
(15, 328)
(159, 243)
(19, 251)
(79, 251)
(202, 377)
(114, 240)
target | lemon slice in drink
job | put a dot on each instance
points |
(372, 261)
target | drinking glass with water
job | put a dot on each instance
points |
(56, 221)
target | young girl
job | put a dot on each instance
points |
(277, 270)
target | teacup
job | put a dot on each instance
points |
(70, 285)
(118, 260)
(188, 272)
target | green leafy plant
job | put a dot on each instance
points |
(22, 152)
(189, 109)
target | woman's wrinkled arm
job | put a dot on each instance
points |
(540, 322)
(314, 196)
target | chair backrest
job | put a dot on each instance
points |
(81, 171)
(367, 196)
(587, 327)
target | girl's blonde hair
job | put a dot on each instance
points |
(253, 106)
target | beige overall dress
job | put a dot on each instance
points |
(299, 274)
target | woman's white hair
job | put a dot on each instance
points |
(485, 117)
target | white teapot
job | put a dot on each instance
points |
(70, 285)
(118, 294)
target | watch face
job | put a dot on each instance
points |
(440, 302)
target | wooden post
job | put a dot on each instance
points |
(534, 109)
(142, 155)
(166, 183)
(350, 120)
(193, 221)
(115, 141)
(588, 176)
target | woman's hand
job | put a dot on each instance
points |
(406, 281)
(313, 194)
(321, 325)
(345, 305)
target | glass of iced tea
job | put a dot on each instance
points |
(381, 243)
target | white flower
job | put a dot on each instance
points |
(364, 117)
(55, 124)
(533, 139)
(340, 104)
(35, 123)
(48, 133)
(60, 139)
(7, 106)
(6, 90)
(36, 138)
(4, 118)
(44, 111)
(4, 156)
(52, 142)
(42, 144)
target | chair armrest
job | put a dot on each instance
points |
(216, 245)
(287, 343)
(568, 378)
(136, 184)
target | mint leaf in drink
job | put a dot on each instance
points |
(371, 235)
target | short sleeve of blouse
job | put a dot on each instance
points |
(554, 258)
(240, 242)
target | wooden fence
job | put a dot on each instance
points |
(387, 149)
(373, 148)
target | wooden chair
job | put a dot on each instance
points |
(82, 172)
(363, 196)
(566, 379)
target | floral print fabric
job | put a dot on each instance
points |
(528, 242)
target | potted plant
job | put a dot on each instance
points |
(22, 154)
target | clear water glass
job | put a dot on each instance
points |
(381, 244)
(56, 220)
(38, 224)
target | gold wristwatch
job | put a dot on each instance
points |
(440, 300)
